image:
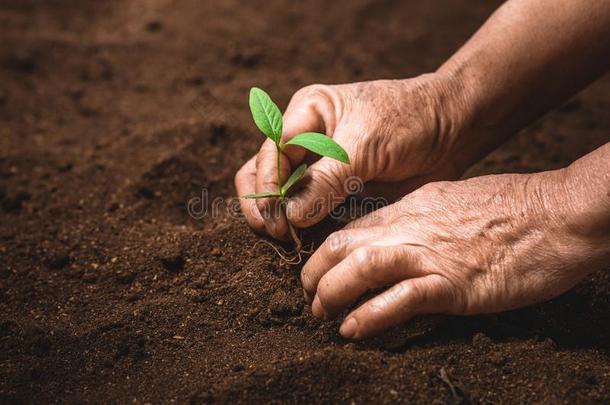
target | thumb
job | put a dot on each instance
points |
(311, 109)
(327, 184)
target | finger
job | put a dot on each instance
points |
(324, 189)
(334, 249)
(366, 268)
(267, 181)
(245, 180)
(423, 295)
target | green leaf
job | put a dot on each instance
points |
(266, 115)
(321, 144)
(267, 194)
(294, 177)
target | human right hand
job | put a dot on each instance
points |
(399, 134)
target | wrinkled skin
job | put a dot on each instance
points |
(397, 134)
(482, 245)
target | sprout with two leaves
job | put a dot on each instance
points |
(268, 119)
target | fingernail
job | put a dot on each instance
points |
(317, 309)
(348, 328)
(273, 229)
(306, 296)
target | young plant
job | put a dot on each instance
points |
(268, 119)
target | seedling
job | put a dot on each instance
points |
(268, 119)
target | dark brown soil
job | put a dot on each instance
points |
(116, 113)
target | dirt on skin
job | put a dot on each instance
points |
(115, 114)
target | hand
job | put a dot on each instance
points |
(398, 134)
(482, 245)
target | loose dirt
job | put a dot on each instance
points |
(115, 114)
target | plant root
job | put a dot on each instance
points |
(298, 245)
(295, 256)
(288, 257)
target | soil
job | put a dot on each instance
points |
(115, 114)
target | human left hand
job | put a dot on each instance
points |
(487, 244)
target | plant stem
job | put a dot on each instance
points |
(279, 173)
(293, 232)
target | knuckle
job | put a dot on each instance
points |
(427, 197)
(363, 273)
(435, 188)
(337, 242)
(363, 256)
(313, 96)
(416, 294)
(376, 307)
(312, 91)
(422, 190)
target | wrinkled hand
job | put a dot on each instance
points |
(482, 245)
(397, 133)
